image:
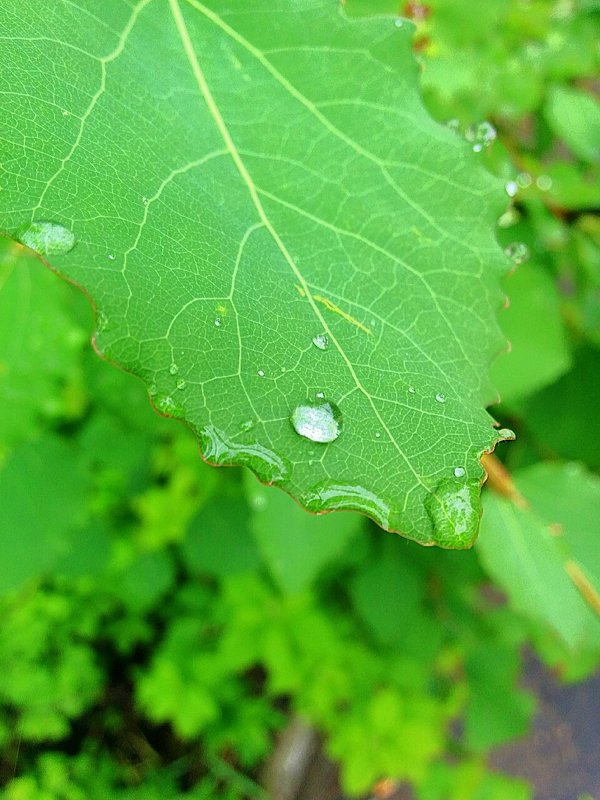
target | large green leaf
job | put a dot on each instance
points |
(262, 212)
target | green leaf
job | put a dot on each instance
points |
(530, 551)
(43, 494)
(296, 546)
(539, 353)
(240, 181)
(574, 116)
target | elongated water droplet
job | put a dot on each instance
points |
(319, 422)
(518, 252)
(47, 238)
(329, 495)
(512, 187)
(220, 449)
(321, 341)
(454, 508)
(481, 135)
(441, 398)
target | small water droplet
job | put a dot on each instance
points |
(220, 449)
(321, 341)
(173, 369)
(319, 422)
(283, 369)
(459, 472)
(510, 217)
(481, 135)
(512, 187)
(399, 22)
(320, 395)
(518, 252)
(47, 238)
(247, 425)
(66, 113)
(181, 384)
(145, 201)
(152, 390)
(411, 389)
(544, 183)
(261, 373)
(441, 398)
(524, 180)
(166, 405)
(111, 257)
(377, 435)
(454, 508)
(506, 434)
(218, 322)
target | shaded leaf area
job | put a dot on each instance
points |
(546, 556)
(264, 215)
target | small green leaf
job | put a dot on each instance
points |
(574, 116)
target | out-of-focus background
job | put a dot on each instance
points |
(173, 631)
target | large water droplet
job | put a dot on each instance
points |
(47, 238)
(319, 422)
(327, 496)
(454, 508)
(481, 135)
(518, 252)
(321, 341)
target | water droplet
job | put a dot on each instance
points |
(337, 496)
(510, 217)
(47, 238)
(166, 405)
(441, 398)
(181, 384)
(524, 180)
(481, 135)
(512, 187)
(518, 252)
(173, 369)
(459, 472)
(101, 321)
(152, 390)
(320, 395)
(258, 502)
(544, 183)
(454, 508)
(66, 113)
(219, 449)
(377, 435)
(321, 341)
(319, 422)
(506, 435)
(283, 369)
(111, 257)
(398, 22)
(145, 201)
(261, 373)
(218, 322)
(247, 425)
(411, 389)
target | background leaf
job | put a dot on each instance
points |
(226, 197)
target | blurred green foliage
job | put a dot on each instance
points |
(162, 620)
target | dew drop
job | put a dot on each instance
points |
(181, 384)
(481, 135)
(247, 425)
(524, 180)
(145, 201)
(399, 22)
(321, 341)
(512, 187)
(166, 405)
(320, 395)
(544, 183)
(218, 322)
(319, 422)
(173, 369)
(441, 398)
(378, 435)
(111, 257)
(459, 472)
(261, 373)
(518, 252)
(47, 238)
(411, 389)
(506, 434)
(454, 508)
(66, 113)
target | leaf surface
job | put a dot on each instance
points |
(236, 185)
